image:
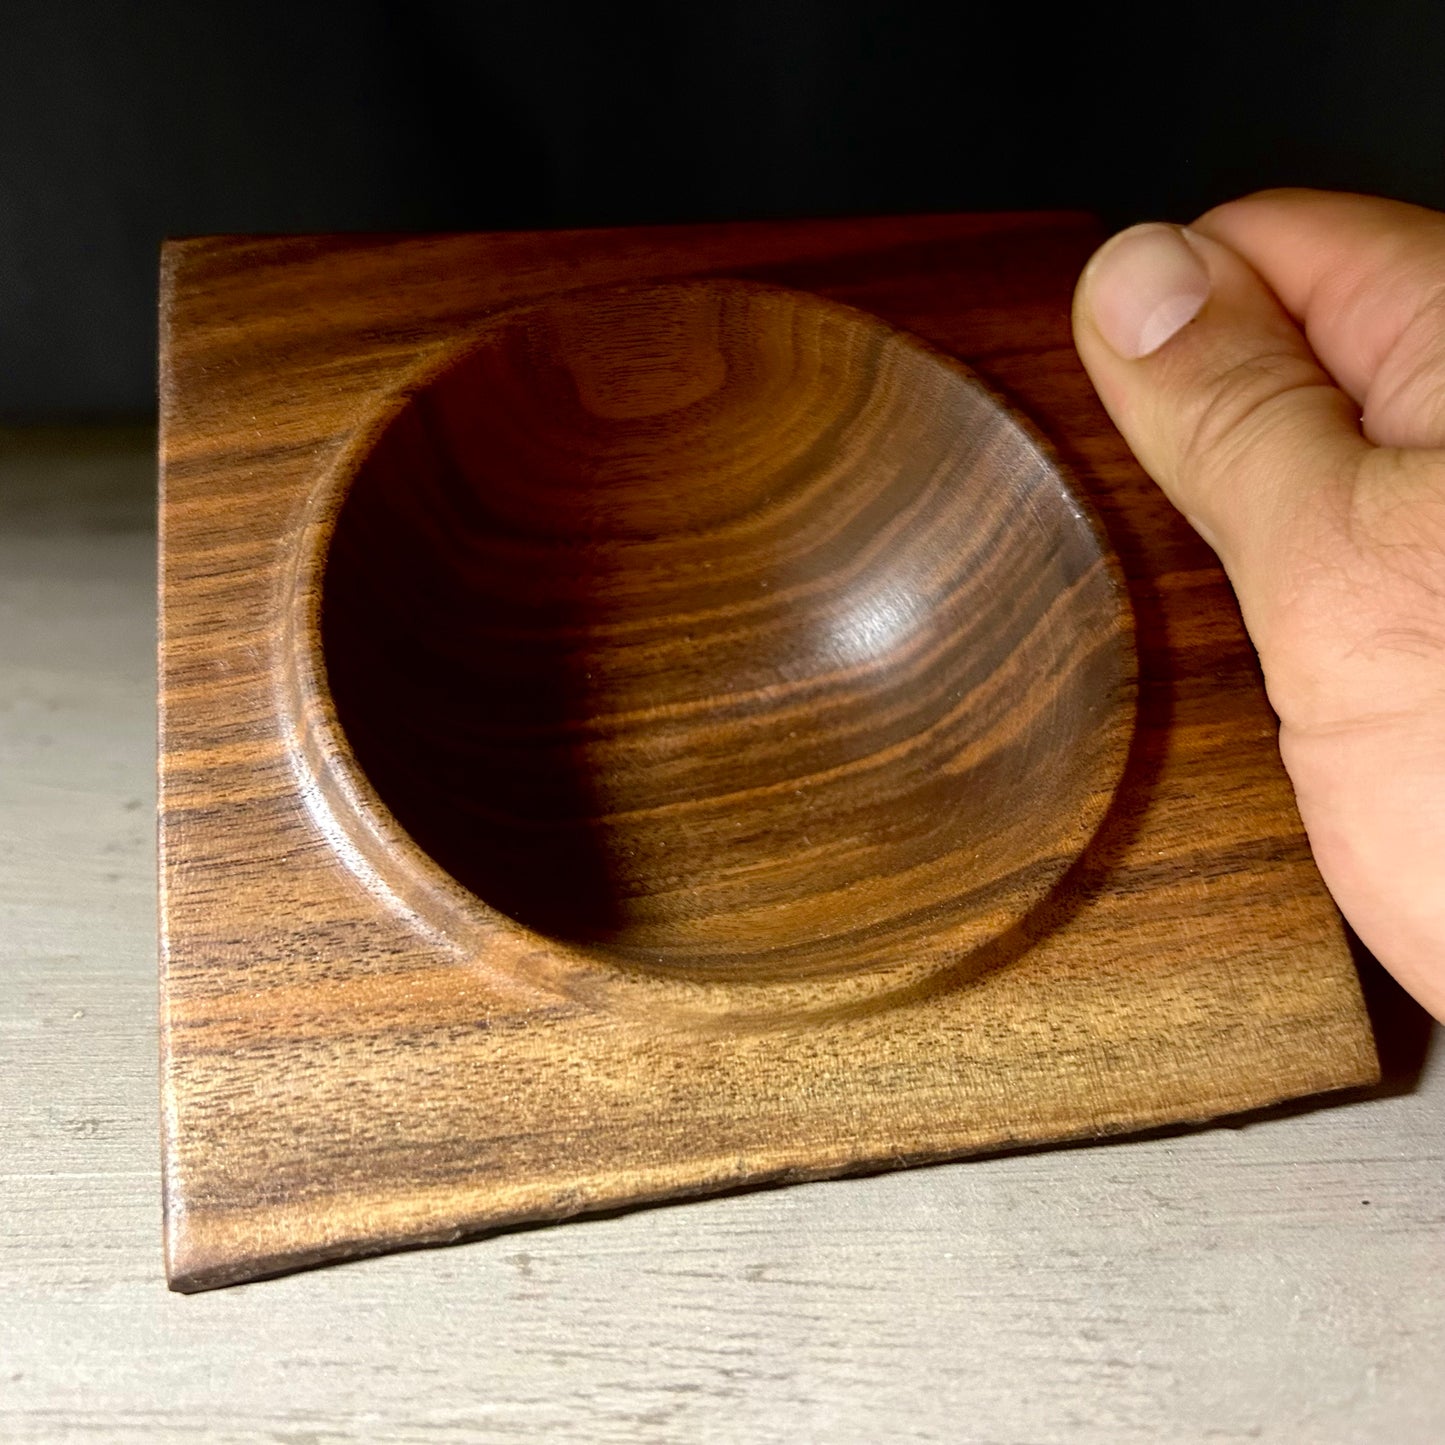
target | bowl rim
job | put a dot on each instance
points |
(360, 826)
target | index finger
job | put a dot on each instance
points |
(1365, 278)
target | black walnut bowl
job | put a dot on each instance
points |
(717, 629)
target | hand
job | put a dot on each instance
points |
(1279, 370)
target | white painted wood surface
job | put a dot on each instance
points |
(1280, 1281)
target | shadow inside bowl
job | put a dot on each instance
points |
(715, 627)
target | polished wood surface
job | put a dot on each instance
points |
(719, 628)
(481, 899)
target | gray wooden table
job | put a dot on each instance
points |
(1280, 1280)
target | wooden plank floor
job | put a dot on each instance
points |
(1284, 1280)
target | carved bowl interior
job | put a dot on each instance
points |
(717, 627)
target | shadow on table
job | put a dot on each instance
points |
(1403, 1029)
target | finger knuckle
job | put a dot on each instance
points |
(1239, 408)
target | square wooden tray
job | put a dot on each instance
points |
(345, 1073)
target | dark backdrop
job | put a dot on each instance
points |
(121, 123)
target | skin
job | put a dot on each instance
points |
(1298, 421)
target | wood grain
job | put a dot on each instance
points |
(717, 628)
(361, 1051)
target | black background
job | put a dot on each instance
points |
(122, 123)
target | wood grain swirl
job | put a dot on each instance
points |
(721, 628)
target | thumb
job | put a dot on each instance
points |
(1234, 417)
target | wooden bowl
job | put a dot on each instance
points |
(718, 631)
(746, 676)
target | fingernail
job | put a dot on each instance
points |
(1143, 287)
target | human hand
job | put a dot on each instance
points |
(1299, 424)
